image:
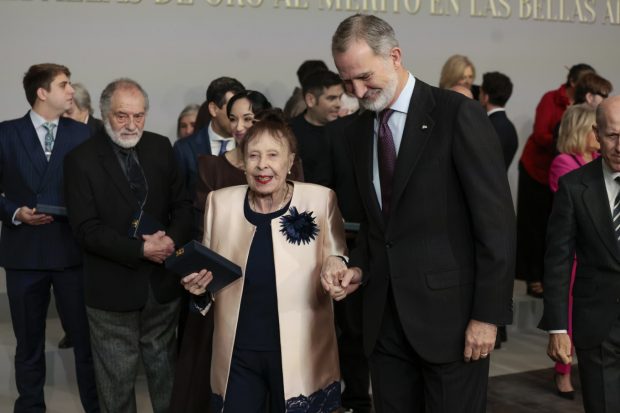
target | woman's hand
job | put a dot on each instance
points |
(337, 279)
(196, 283)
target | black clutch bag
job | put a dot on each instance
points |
(143, 224)
(194, 256)
(53, 210)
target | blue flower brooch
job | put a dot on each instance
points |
(298, 227)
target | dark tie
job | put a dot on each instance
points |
(135, 175)
(616, 214)
(387, 159)
(223, 147)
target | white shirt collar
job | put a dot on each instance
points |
(402, 103)
(492, 111)
(214, 136)
(38, 120)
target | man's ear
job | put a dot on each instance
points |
(396, 57)
(213, 109)
(310, 100)
(42, 94)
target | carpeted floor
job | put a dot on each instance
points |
(531, 392)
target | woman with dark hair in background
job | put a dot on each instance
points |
(534, 195)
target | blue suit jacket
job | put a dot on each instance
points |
(27, 178)
(187, 150)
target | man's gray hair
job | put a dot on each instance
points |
(105, 102)
(377, 33)
(81, 98)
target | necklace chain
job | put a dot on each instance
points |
(282, 203)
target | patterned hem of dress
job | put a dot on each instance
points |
(325, 400)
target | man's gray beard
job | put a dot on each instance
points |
(383, 99)
(123, 143)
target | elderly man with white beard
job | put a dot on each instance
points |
(123, 173)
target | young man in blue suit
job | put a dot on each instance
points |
(38, 250)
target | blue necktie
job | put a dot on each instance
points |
(223, 147)
(49, 138)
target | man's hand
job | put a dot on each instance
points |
(479, 340)
(158, 246)
(560, 348)
(30, 217)
(342, 283)
(196, 283)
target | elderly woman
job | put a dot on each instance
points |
(186, 122)
(274, 341)
(577, 145)
(457, 71)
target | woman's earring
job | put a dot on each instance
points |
(289, 171)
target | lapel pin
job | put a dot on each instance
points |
(424, 127)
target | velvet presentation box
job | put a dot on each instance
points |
(194, 256)
(143, 224)
(53, 210)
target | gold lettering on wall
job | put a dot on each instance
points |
(291, 4)
(612, 16)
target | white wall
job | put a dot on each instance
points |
(175, 50)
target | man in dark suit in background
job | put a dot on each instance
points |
(585, 222)
(214, 139)
(436, 241)
(131, 300)
(37, 250)
(495, 91)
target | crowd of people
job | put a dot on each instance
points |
(372, 220)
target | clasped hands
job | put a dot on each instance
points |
(157, 246)
(337, 279)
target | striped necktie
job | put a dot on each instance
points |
(48, 143)
(616, 213)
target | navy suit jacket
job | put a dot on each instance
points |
(507, 135)
(187, 150)
(27, 178)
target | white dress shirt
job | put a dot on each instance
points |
(216, 141)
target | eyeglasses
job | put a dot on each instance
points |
(123, 118)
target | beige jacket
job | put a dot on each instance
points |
(305, 312)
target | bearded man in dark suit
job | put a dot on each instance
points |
(132, 302)
(435, 250)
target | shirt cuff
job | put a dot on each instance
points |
(14, 220)
(558, 331)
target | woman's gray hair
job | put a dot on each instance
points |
(377, 33)
(105, 102)
(81, 98)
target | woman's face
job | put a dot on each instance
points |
(267, 162)
(241, 117)
(186, 125)
(468, 78)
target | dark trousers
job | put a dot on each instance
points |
(255, 382)
(599, 372)
(120, 340)
(403, 382)
(533, 208)
(29, 297)
(353, 362)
